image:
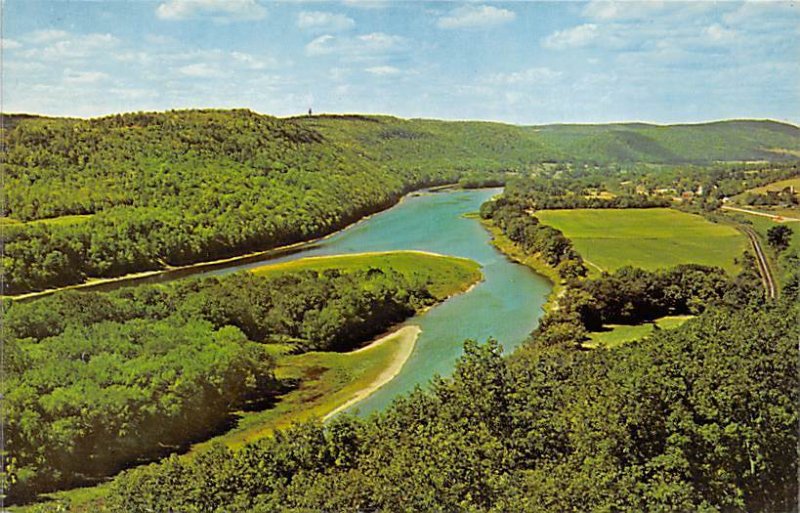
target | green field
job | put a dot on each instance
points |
(617, 334)
(762, 224)
(777, 186)
(647, 238)
(445, 275)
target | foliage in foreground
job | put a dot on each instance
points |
(95, 382)
(701, 418)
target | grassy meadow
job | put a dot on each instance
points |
(648, 238)
(762, 224)
(445, 275)
(615, 335)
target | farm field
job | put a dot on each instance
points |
(777, 186)
(648, 238)
(762, 224)
(618, 334)
(445, 275)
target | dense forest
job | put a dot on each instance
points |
(96, 381)
(145, 191)
(700, 418)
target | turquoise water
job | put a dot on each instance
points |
(506, 305)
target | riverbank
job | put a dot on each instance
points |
(512, 250)
(183, 271)
(327, 383)
(407, 338)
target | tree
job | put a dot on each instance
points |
(779, 237)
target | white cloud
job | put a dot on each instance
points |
(132, 93)
(366, 45)
(74, 46)
(572, 38)
(46, 36)
(200, 70)
(378, 41)
(322, 45)
(331, 22)
(367, 4)
(248, 61)
(141, 58)
(72, 77)
(475, 16)
(763, 14)
(218, 10)
(719, 34)
(26, 67)
(528, 77)
(383, 70)
(607, 10)
(9, 44)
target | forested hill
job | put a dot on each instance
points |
(741, 140)
(508, 145)
(136, 192)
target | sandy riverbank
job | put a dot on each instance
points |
(409, 335)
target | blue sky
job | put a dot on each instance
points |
(519, 62)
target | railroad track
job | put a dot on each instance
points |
(763, 266)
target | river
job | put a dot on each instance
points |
(506, 305)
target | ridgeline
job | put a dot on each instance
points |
(138, 192)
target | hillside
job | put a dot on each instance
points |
(735, 140)
(473, 142)
(146, 191)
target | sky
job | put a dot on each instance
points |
(517, 62)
